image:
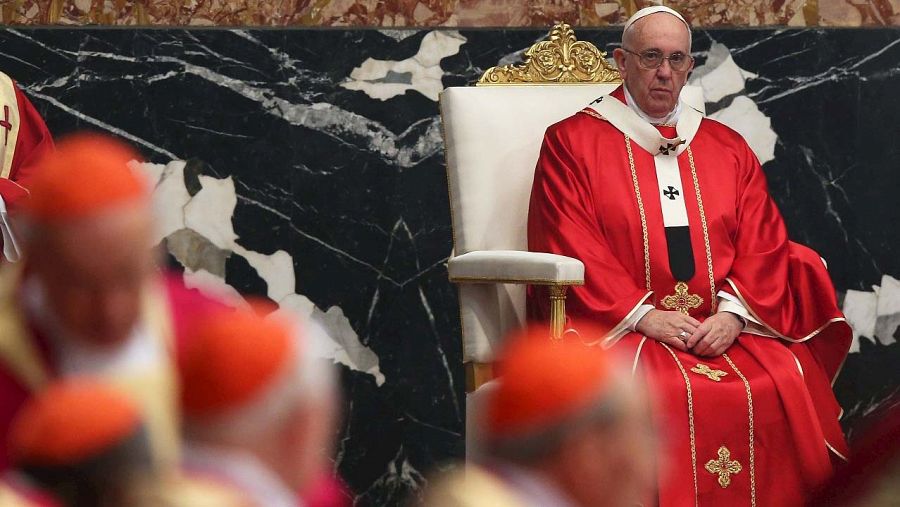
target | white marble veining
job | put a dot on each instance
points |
(721, 78)
(888, 310)
(209, 214)
(400, 474)
(874, 315)
(860, 309)
(170, 196)
(402, 150)
(744, 116)
(384, 79)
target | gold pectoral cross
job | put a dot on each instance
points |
(723, 466)
(710, 373)
(681, 300)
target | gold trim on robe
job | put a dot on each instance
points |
(619, 330)
(775, 332)
(637, 355)
(17, 351)
(10, 127)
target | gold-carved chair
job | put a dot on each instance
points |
(492, 134)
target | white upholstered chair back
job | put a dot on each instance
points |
(493, 137)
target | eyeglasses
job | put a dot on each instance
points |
(652, 59)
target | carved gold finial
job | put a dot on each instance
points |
(560, 59)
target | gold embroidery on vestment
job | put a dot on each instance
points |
(750, 417)
(724, 466)
(711, 374)
(682, 300)
(713, 301)
(637, 193)
(690, 402)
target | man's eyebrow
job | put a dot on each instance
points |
(663, 52)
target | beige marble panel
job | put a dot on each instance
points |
(432, 13)
(859, 12)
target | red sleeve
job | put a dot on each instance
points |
(34, 140)
(784, 284)
(562, 220)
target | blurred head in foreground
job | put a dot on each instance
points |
(83, 442)
(568, 414)
(87, 237)
(253, 392)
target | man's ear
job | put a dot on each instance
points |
(619, 55)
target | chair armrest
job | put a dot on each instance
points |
(513, 266)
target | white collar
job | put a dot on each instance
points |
(669, 119)
(626, 120)
(532, 488)
(242, 470)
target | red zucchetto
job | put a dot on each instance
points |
(253, 350)
(70, 422)
(542, 383)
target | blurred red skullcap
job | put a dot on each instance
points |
(86, 174)
(71, 421)
(542, 383)
(231, 356)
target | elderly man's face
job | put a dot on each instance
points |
(94, 273)
(656, 91)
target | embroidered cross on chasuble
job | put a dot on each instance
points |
(711, 374)
(681, 300)
(723, 466)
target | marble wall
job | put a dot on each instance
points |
(451, 13)
(307, 165)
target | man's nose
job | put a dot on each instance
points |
(664, 71)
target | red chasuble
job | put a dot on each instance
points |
(758, 425)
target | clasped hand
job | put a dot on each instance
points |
(712, 337)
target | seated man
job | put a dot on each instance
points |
(578, 435)
(89, 299)
(689, 269)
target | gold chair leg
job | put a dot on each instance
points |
(477, 374)
(557, 310)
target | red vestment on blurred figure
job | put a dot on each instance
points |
(24, 138)
(768, 427)
(28, 358)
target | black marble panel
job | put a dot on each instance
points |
(353, 187)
